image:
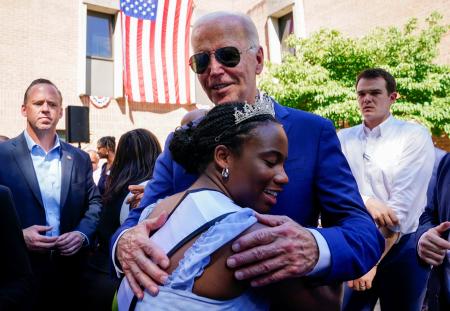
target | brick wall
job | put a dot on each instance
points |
(356, 18)
(44, 39)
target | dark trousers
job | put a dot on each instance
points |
(437, 298)
(400, 282)
(57, 281)
(99, 286)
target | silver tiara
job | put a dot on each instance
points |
(263, 105)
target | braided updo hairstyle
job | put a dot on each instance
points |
(193, 146)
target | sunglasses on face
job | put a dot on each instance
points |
(228, 56)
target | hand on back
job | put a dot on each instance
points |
(282, 250)
(142, 261)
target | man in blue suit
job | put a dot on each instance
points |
(433, 242)
(56, 199)
(228, 58)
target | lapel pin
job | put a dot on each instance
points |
(69, 157)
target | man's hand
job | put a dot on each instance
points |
(142, 261)
(432, 247)
(138, 193)
(381, 213)
(37, 242)
(364, 282)
(272, 254)
(69, 243)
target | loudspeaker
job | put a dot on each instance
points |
(77, 124)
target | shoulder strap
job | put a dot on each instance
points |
(195, 213)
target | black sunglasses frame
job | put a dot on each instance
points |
(195, 59)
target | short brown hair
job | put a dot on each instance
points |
(108, 142)
(40, 81)
(373, 73)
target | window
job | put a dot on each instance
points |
(99, 35)
(285, 28)
(99, 55)
(279, 26)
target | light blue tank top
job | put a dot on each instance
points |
(177, 293)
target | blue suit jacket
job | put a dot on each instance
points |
(80, 201)
(436, 212)
(438, 209)
(320, 183)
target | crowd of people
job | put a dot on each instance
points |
(226, 216)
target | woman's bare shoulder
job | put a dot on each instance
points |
(217, 280)
(167, 204)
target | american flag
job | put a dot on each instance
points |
(156, 50)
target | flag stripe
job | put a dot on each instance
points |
(175, 52)
(153, 63)
(146, 68)
(127, 57)
(188, 74)
(139, 61)
(183, 32)
(169, 52)
(133, 60)
(163, 50)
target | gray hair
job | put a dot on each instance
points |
(242, 19)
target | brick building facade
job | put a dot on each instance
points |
(48, 39)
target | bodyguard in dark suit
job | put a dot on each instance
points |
(56, 199)
(15, 279)
(433, 237)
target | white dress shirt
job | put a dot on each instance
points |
(393, 163)
(47, 167)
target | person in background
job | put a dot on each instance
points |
(227, 58)
(433, 240)
(96, 170)
(135, 158)
(16, 277)
(439, 154)
(106, 149)
(137, 191)
(434, 281)
(392, 161)
(193, 115)
(56, 199)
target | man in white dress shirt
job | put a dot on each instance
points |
(392, 161)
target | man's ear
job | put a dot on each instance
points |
(222, 157)
(23, 109)
(259, 60)
(393, 96)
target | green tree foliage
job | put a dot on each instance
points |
(320, 76)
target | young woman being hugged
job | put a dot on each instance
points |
(238, 150)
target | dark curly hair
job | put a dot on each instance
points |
(193, 146)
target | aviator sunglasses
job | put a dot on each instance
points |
(228, 56)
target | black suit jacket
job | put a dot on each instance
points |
(15, 278)
(80, 201)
